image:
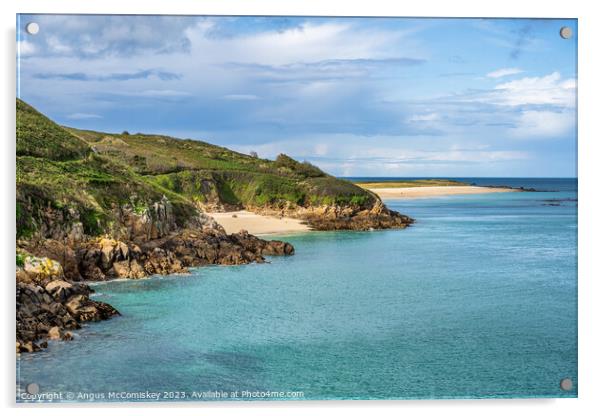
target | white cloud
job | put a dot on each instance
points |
(549, 89)
(163, 93)
(57, 46)
(569, 84)
(310, 42)
(532, 107)
(309, 68)
(83, 116)
(325, 76)
(101, 36)
(240, 97)
(504, 72)
(321, 149)
(349, 154)
(424, 117)
(25, 48)
(543, 124)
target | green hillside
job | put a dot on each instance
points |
(59, 180)
(40, 137)
(66, 175)
(201, 172)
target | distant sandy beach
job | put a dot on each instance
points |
(235, 221)
(432, 191)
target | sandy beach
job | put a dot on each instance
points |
(433, 191)
(235, 221)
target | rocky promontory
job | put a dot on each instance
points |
(340, 217)
(52, 300)
(48, 306)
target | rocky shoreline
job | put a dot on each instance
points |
(54, 265)
(53, 298)
(49, 307)
(514, 188)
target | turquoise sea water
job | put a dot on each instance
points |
(477, 299)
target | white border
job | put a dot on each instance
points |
(590, 161)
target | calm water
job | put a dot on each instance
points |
(477, 299)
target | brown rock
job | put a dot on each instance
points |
(54, 333)
(87, 312)
(74, 304)
(60, 290)
(22, 276)
(107, 253)
(60, 251)
(136, 270)
(42, 269)
(44, 312)
(29, 346)
(121, 269)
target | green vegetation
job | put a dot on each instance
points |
(20, 260)
(414, 183)
(62, 180)
(202, 172)
(66, 175)
(38, 136)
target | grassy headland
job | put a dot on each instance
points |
(60, 179)
(67, 176)
(208, 174)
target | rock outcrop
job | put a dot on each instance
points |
(154, 221)
(52, 301)
(49, 307)
(107, 258)
(213, 247)
(335, 217)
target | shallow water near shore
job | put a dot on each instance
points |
(477, 299)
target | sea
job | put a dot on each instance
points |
(477, 299)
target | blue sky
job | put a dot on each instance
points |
(355, 96)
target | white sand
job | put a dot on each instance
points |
(432, 191)
(235, 221)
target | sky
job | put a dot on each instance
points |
(354, 96)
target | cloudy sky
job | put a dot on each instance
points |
(355, 96)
